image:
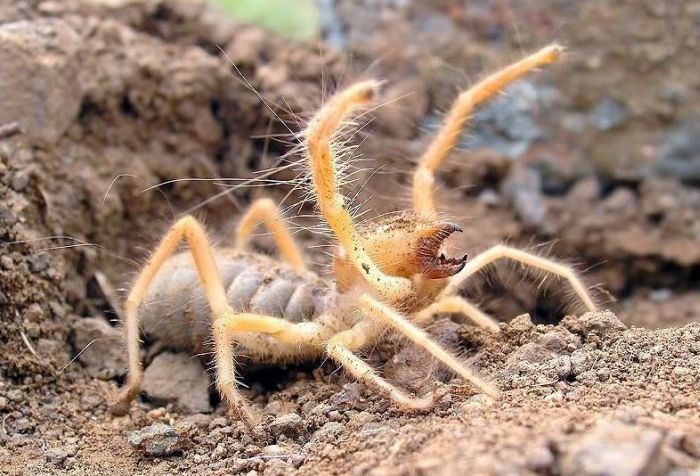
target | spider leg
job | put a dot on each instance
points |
(189, 229)
(303, 334)
(502, 251)
(462, 108)
(383, 313)
(265, 211)
(340, 348)
(319, 138)
(458, 305)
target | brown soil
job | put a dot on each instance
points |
(111, 100)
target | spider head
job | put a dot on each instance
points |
(408, 246)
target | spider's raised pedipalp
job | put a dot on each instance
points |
(319, 139)
(390, 275)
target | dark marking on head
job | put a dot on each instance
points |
(365, 266)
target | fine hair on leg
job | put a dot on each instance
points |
(498, 252)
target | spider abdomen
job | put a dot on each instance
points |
(176, 312)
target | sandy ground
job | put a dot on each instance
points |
(594, 159)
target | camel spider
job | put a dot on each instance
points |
(390, 275)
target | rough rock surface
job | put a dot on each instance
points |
(616, 448)
(100, 347)
(159, 440)
(179, 379)
(40, 61)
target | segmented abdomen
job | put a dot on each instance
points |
(176, 312)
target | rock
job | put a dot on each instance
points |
(289, 425)
(521, 324)
(99, 346)
(559, 340)
(523, 190)
(274, 451)
(16, 395)
(546, 361)
(582, 360)
(608, 114)
(476, 404)
(691, 445)
(615, 448)
(39, 262)
(412, 364)
(489, 198)
(507, 124)
(681, 371)
(328, 432)
(333, 27)
(600, 323)
(159, 439)
(539, 457)
(530, 352)
(19, 181)
(660, 295)
(180, 379)
(679, 152)
(56, 456)
(348, 397)
(7, 218)
(38, 79)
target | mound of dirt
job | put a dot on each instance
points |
(104, 100)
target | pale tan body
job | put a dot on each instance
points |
(176, 311)
(389, 276)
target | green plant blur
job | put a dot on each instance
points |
(291, 18)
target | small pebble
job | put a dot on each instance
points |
(159, 440)
(56, 456)
(19, 181)
(16, 395)
(681, 371)
(290, 425)
(335, 415)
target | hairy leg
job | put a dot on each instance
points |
(458, 305)
(502, 251)
(264, 211)
(462, 108)
(319, 138)
(189, 229)
(305, 335)
(340, 348)
(382, 313)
